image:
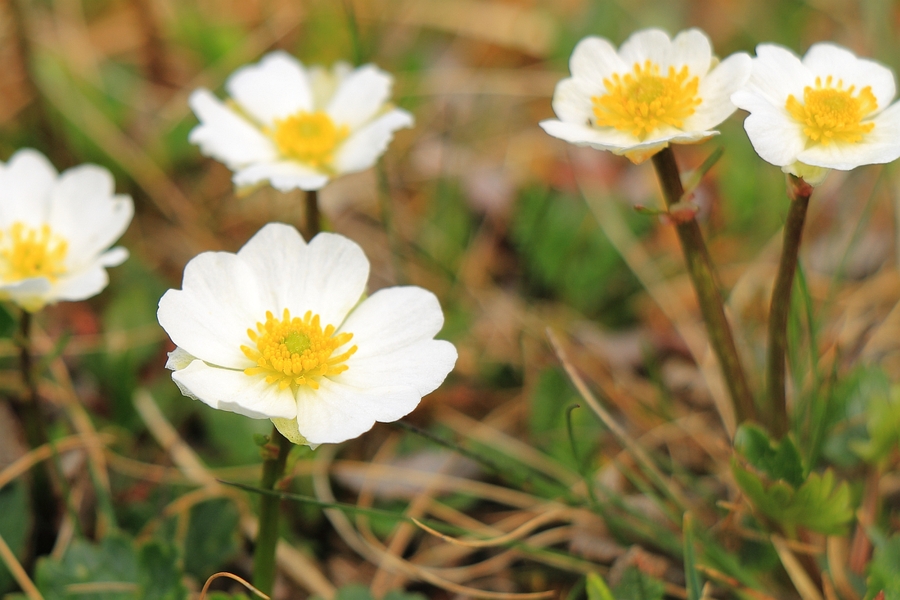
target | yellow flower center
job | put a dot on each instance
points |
(292, 351)
(309, 137)
(644, 100)
(831, 113)
(26, 252)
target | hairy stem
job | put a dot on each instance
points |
(269, 507)
(780, 307)
(700, 269)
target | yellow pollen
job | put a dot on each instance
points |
(309, 137)
(26, 252)
(643, 101)
(292, 351)
(830, 113)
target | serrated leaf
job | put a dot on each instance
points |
(816, 505)
(778, 461)
(596, 588)
(883, 426)
(160, 577)
(110, 565)
(883, 570)
(113, 569)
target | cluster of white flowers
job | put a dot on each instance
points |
(830, 110)
(282, 329)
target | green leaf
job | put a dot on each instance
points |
(212, 538)
(883, 570)
(113, 569)
(778, 461)
(596, 588)
(160, 577)
(15, 522)
(816, 505)
(637, 585)
(883, 425)
(111, 566)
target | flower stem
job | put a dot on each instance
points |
(43, 495)
(267, 535)
(700, 269)
(313, 219)
(799, 192)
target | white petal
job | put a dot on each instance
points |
(284, 176)
(25, 187)
(775, 136)
(825, 59)
(593, 60)
(777, 73)
(335, 413)
(716, 89)
(572, 102)
(31, 294)
(275, 88)
(234, 391)
(328, 276)
(324, 82)
(364, 146)
(620, 142)
(880, 146)
(360, 96)
(648, 44)
(690, 48)
(393, 318)
(210, 316)
(422, 366)
(227, 136)
(85, 212)
(113, 257)
(82, 285)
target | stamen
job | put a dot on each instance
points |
(26, 252)
(309, 137)
(829, 113)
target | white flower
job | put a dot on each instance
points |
(828, 111)
(55, 230)
(652, 92)
(278, 331)
(297, 128)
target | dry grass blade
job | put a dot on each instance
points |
(15, 568)
(240, 580)
(801, 580)
(41, 453)
(621, 435)
(380, 556)
(512, 536)
(642, 265)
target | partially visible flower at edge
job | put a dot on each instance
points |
(296, 127)
(829, 110)
(652, 92)
(56, 230)
(280, 331)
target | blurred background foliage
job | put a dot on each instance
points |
(516, 232)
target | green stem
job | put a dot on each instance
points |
(700, 269)
(269, 506)
(313, 218)
(779, 309)
(42, 494)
